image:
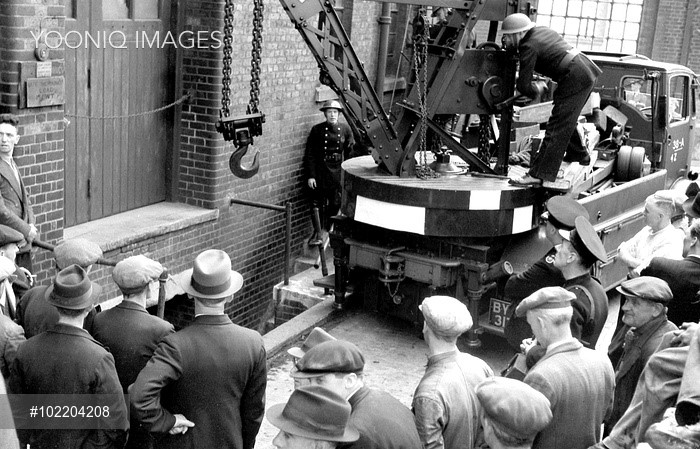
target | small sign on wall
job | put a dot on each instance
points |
(48, 91)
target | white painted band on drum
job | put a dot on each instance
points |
(485, 200)
(390, 216)
(522, 219)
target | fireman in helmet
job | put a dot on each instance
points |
(328, 145)
(544, 51)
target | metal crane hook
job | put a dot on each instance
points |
(237, 168)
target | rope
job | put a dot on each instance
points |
(138, 114)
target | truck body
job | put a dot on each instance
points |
(400, 238)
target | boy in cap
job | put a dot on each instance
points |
(205, 384)
(683, 276)
(577, 381)
(645, 323)
(34, 312)
(513, 413)
(382, 421)
(313, 418)
(66, 360)
(561, 214)
(129, 331)
(445, 405)
(10, 243)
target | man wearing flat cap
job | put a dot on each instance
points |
(315, 337)
(11, 241)
(560, 215)
(645, 323)
(683, 276)
(313, 418)
(382, 420)
(66, 360)
(205, 384)
(129, 331)
(34, 313)
(577, 381)
(513, 413)
(445, 404)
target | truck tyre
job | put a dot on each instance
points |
(623, 163)
(636, 167)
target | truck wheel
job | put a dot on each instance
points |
(623, 163)
(636, 167)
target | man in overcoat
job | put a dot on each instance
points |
(579, 382)
(204, 387)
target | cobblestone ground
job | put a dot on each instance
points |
(394, 354)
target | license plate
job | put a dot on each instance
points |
(498, 310)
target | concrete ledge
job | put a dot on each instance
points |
(280, 337)
(140, 224)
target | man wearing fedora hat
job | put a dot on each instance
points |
(328, 145)
(645, 323)
(205, 385)
(382, 421)
(577, 381)
(445, 403)
(66, 360)
(561, 214)
(683, 276)
(34, 312)
(313, 418)
(129, 331)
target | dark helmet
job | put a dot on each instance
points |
(331, 104)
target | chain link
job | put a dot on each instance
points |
(255, 59)
(227, 59)
(420, 67)
(137, 114)
(484, 152)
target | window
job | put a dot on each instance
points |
(609, 25)
(637, 92)
(129, 9)
(677, 99)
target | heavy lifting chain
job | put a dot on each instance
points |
(484, 151)
(420, 67)
(241, 130)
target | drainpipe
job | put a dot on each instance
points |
(384, 23)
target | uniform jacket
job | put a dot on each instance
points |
(445, 403)
(36, 315)
(15, 208)
(214, 373)
(683, 276)
(131, 334)
(541, 274)
(589, 316)
(579, 383)
(11, 336)
(629, 360)
(542, 50)
(326, 147)
(67, 360)
(383, 422)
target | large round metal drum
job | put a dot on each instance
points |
(448, 206)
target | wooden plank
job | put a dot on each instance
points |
(82, 153)
(107, 126)
(97, 93)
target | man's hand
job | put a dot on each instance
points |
(181, 425)
(312, 183)
(684, 334)
(528, 344)
(33, 233)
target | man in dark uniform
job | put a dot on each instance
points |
(561, 214)
(129, 331)
(543, 50)
(328, 145)
(645, 323)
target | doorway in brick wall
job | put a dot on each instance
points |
(118, 59)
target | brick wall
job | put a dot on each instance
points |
(39, 154)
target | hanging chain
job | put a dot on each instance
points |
(227, 60)
(136, 114)
(255, 60)
(484, 152)
(420, 67)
